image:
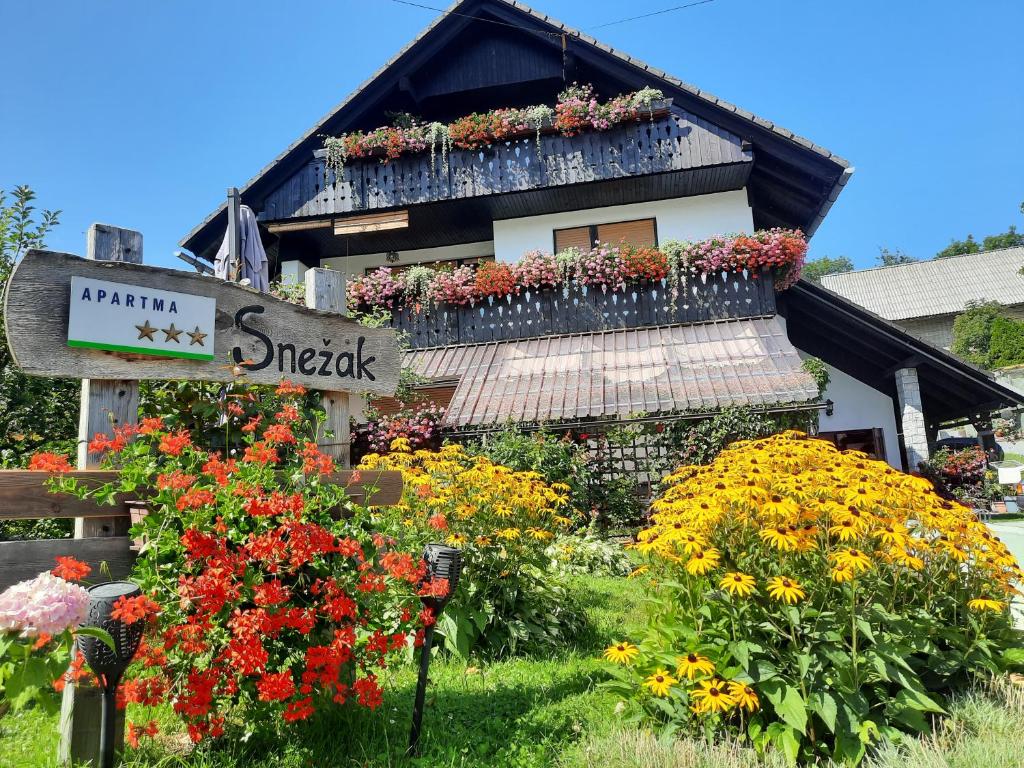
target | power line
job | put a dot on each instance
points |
(477, 18)
(542, 32)
(652, 13)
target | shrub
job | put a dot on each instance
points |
(273, 594)
(813, 600)
(1007, 342)
(556, 459)
(502, 520)
(588, 554)
(417, 422)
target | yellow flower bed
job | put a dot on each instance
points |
(502, 520)
(843, 592)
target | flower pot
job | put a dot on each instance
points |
(998, 507)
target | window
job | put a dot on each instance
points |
(641, 232)
(870, 441)
(397, 269)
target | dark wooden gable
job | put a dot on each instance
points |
(463, 63)
(505, 59)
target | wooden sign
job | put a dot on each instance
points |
(119, 317)
(256, 338)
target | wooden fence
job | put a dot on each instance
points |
(585, 310)
(24, 496)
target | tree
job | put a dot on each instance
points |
(890, 258)
(960, 248)
(34, 412)
(972, 332)
(815, 269)
(1008, 239)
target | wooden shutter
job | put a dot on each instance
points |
(638, 233)
(576, 237)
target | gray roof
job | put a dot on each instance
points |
(617, 373)
(937, 287)
(453, 9)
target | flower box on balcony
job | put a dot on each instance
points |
(580, 309)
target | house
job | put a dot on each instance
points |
(924, 297)
(684, 165)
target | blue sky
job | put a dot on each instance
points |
(141, 114)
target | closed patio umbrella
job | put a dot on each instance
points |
(253, 258)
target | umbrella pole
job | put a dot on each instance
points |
(234, 234)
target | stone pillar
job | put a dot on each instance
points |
(915, 434)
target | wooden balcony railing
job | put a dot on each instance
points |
(674, 141)
(585, 310)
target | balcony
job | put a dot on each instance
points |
(673, 154)
(577, 309)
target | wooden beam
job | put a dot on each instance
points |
(325, 289)
(27, 559)
(371, 222)
(297, 226)
(113, 401)
(24, 495)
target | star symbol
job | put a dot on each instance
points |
(172, 334)
(146, 331)
(197, 337)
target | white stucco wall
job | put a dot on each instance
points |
(858, 406)
(683, 218)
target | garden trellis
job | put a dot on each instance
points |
(112, 322)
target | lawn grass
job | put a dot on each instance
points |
(529, 712)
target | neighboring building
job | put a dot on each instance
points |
(586, 360)
(924, 297)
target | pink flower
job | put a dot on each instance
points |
(45, 605)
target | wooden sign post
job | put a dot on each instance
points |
(325, 289)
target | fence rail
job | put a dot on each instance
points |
(24, 495)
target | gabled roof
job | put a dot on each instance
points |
(870, 348)
(936, 287)
(796, 181)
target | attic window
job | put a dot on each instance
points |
(639, 233)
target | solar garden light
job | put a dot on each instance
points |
(109, 665)
(442, 563)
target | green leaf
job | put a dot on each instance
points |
(917, 700)
(786, 740)
(100, 634)
(824, 704)
(788, 705)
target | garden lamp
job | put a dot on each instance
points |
(442, 563)
(109, 665)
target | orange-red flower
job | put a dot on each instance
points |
(175, 442)
(132, 609)
(70, 569)
(49, 462)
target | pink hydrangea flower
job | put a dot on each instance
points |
(44, 605)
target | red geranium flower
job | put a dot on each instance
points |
(70, 569)
(49, 462)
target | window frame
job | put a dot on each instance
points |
(593, 230)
